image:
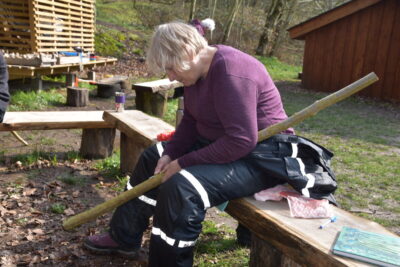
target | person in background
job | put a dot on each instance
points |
(4, 94)
(202, 26)
(214, 155)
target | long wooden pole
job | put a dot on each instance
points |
(155, 180)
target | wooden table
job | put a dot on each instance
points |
(17, 71)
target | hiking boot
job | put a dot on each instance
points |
(104, 244)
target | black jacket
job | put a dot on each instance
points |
(4, 94)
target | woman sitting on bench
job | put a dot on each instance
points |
(214, 155)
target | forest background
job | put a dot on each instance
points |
(254, 26)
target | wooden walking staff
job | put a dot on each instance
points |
(155, 180)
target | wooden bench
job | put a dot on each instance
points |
(277, 238)
(281, 240)
(151, 97)
(97, 136)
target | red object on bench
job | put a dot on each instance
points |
(165, 136)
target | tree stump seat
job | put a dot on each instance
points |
(77, 97)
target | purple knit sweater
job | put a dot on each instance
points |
(228, 107)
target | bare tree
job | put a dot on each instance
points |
(277, 17)
(192, 9)
(231, 19)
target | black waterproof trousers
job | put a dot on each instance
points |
(179, 205)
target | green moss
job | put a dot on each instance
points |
(108, 42)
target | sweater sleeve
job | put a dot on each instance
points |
(184, 138)
(235, 101)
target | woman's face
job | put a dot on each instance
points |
(187, 77)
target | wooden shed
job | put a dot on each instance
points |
(45, 26)
(347, 42)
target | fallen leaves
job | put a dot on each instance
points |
(31, 234)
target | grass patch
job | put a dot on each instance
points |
(217, 246)
(110, 167)
(55, 78)
(57, 208)
(170, 114)
(73, 156)
(280, 71)
(29, 101)
(120, 186)
(89, 86)
(364, 138)
(70, 179)
(35, 156)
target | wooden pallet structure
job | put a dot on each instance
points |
(46, 26)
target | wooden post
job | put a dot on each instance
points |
(36, 83)
(151, 103)
(77, 97)
(264, 254)
(97, 143)
(91, 75)
(130, 152)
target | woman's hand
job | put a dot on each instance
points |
(171, 169)
(162, 163)
(167, 166)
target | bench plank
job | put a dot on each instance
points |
(48, 120)
(138, 125)
(158, 85)
(299, 239)
(138, 131)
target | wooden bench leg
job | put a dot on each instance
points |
(264, 254)
(130, 153)
(97, 143)
(151, 103)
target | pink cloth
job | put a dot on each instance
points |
(304, 207)
(300, 206)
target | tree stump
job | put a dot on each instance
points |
(77, 97)
(97, 143)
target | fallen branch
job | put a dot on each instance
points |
(19, 138)
(155, 180)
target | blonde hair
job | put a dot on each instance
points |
(173, 45)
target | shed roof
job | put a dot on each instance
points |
(300, 30)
